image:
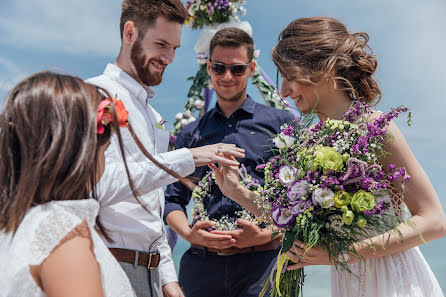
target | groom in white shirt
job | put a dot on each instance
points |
(150, 34)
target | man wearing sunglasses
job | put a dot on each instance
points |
(226, 263)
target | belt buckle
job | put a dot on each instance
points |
(225, 254)
(150, 261)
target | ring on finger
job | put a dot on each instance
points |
(219, 149)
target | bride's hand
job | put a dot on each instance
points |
(227, 178)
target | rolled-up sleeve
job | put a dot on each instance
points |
(177, 196)
(114, 185)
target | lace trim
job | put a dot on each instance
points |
(80, 230)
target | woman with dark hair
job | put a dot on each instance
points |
(52, 143)
(325, 69)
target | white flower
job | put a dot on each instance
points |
(286, 175)
(179, 116)
(323, 198)
(191, 119)
(184, 122)
(283, 141)
(199, 104)
(187, 114)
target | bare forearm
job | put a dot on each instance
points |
(417, 231)
(177, 220)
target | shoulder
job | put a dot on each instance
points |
(113, 87)
(284, 116)
(44, 226)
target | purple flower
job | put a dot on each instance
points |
(282, 217)
(297, 190)
(260, 167)
(300, 206)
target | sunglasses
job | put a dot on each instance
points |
(235, 69)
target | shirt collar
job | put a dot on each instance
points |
(141, 93)
(249, 107)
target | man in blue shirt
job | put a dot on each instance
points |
(230, 263)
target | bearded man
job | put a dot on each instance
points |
(150, 34)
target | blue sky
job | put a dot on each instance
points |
(408, 37)
(80, 37)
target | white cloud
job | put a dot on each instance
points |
(74, 27)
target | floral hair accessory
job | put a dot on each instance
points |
(105, 114)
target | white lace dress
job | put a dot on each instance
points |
(41, 230)
(404, 274)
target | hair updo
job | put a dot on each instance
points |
(309, 49)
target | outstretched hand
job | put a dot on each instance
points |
(222, 153)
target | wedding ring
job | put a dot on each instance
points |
(219, 150)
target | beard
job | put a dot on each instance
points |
(142, 64)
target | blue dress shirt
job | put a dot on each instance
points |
(247, 128)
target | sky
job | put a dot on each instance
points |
(407, 36)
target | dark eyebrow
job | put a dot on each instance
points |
(167, 43)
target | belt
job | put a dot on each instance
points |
(149, 260)
(269, 246)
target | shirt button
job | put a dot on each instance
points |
(230, 125)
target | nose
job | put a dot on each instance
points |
(168, 56)
(227, 75)
(284, 90)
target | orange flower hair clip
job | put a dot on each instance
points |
(105, 114)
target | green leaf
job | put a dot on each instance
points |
(288, 241)
(274, 235)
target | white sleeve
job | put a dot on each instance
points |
(114, 184)
(166, 267)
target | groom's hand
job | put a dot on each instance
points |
(172, 290)
(249, 235)
(216, 153)
(199, 235)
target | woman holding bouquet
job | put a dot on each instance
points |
(327, 70)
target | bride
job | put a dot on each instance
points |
(324, 66)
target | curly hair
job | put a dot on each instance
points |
(309, 49)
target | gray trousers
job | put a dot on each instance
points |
(145, 282)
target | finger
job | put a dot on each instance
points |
(297, 266)
(225, 161)
(244, 223)
(299, 243)
(224, 144)
(213, 168)
(217, 237)
(222, 245)
(203, 224)
(239, 153)
(233, 233)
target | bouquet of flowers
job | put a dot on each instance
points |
(205, 12)
(226, 223)
(326, 187)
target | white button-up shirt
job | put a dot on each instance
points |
(129, 225)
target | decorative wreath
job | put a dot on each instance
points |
(226, 223)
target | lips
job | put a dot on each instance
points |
(297, 99)
(157, 66)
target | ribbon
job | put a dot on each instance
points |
(281, 264)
